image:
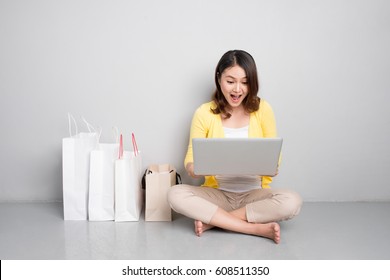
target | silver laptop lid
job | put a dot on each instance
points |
(236, 156)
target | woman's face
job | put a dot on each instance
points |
(234, 85)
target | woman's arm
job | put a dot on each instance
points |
(268, 126)
(198, 130)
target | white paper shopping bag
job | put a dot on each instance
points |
(128, 189)
(102, 182)
(76, 151)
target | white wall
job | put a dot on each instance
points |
(144, 66)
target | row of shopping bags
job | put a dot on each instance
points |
(102, 181)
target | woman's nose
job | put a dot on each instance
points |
(237, 87)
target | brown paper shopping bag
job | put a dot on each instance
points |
(158, 180)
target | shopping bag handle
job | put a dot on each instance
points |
(147, 171)
(99, 133)
(178, 179)
(89, 126)
(70, 119)
(143, 180)
(135, 147)
(120, 146)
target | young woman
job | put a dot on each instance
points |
(244, 204)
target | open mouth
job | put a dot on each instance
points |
(235, 98)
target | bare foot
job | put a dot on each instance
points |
(200, 227)
(270, 230)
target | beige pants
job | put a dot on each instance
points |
(262, 205)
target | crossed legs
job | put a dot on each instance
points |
(236, 221)
(258, 214)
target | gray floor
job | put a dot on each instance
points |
(322, 231)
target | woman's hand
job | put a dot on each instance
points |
(190, 170)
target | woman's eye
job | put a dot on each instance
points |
(230, 82)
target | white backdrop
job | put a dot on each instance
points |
(144, 66)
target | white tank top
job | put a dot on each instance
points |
(234, 183)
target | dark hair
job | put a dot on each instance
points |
(246, 62)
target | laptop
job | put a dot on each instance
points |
(236, 156)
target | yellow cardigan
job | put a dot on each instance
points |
(206, 124)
